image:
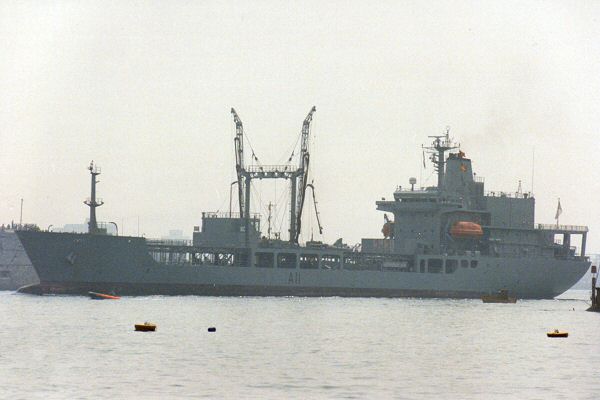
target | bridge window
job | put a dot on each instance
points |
(330, 261)
(464, 263)
(473, 263)
(264, 260)
(286, 260)
(451, 266)
(309, 261)
(434, 265)
(422, 266)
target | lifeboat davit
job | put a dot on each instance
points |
(466, 229)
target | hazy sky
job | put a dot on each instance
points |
(144, 88)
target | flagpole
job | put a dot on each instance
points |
(422, 168)
(558, 212)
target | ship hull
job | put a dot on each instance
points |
(15, 267)
(78, 264)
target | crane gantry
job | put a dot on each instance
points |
(298, 177)
(239, 158)
(302, 172)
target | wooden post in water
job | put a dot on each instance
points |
(594, 297)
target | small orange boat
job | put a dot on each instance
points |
(557, 333)
(102, 296)
(145, 327)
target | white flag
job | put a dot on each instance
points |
(558, 210)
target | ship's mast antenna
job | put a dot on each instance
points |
(92, 202)
(438, 148)
(269, 221)
(532, 168)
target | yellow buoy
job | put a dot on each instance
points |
(557, 333)
(145, 327)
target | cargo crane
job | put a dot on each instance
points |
(302, 177)
(312, 187)
(298, 177)
(239, 158)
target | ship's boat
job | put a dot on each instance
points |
(466, 229)
(557, 333)
(145, 327)
(500, 297)
(102, 296)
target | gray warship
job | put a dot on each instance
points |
(452, 240)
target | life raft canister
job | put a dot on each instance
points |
(466, 229)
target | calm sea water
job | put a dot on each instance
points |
(56, 347)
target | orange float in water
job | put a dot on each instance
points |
(466, 229)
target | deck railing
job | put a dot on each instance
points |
(169, 242)
(568, 228)
(225, 214)
(511, 195)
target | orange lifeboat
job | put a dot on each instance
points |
(466, 229)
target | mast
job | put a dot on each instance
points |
(269, 221)
(92, 202)
(439, 146)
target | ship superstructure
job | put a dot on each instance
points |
(458, 216)
(449, 240)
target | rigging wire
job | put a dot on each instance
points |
(285, 211)
(293, 148)
(279, 218)
(254, 157)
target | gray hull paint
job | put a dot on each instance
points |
(75, 264)
(15, 267)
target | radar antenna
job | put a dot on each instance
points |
(440, 145)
